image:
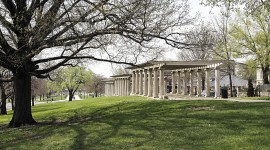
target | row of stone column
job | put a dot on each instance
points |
(122, 87)
(151, 83)
(109, 89)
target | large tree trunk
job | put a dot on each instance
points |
(71, 94)
(3, 99)
(22, 113)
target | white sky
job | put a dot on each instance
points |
(206, 14)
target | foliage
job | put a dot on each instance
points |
(252, 37)
(72, 78)
(248, 71)
(95, 85)
(38, 37)
(138, 123)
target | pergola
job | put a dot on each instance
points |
(147, 79)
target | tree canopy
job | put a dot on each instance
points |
(39, 36)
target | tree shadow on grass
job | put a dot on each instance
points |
(136, 124)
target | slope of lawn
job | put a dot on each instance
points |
(140, 123)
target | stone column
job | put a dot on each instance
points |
(178, 82)
(161, 83)
(124, 87)
(145, 83)
(150, 83)
(185, 83)
(128, 86)
(133, 83)
(155, 89)
(217, 82)
(207, 82)
(112, 89)
(191, 89)
(141, 83)
(116, 87)
(199, 83)
(120, 87)
(173, 82)
(137, 83)
(165, 86)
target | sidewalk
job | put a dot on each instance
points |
(9, 107)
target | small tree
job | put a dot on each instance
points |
(96, 84)
(71, 78)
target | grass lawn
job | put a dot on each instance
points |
(140, 123)
(255, 98)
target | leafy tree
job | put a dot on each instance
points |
(223, 48)
(39, 36)
(96, 84)
(71, 78)
(252, 37)
(248, 71)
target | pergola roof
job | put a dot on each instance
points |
(174, 65)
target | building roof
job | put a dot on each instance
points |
(174, 65)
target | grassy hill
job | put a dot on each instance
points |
(141, 123)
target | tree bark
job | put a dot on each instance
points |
(231, 87)
(265, 71)
(3, 99)
(71, 94)
(22, 113)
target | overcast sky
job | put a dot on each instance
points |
(206, 14)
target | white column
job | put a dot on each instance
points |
(133, 83)
(191, 89)
(173, 82)
(124, 87)
(150, 83)
(161, 83)
(155, 90)
(178, 82)
(145, 83)
(112, 89)
(199, 83)
(120, 87)
(141, 83)
(207, 82)
(128, 86)
(165, 86)
(116, 87)
(185, 83)
(217, 82)
(137, 83)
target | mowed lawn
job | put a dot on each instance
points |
(141, 123)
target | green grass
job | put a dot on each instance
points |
(255, 98)
(140, 123)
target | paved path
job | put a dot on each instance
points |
(9, 107)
